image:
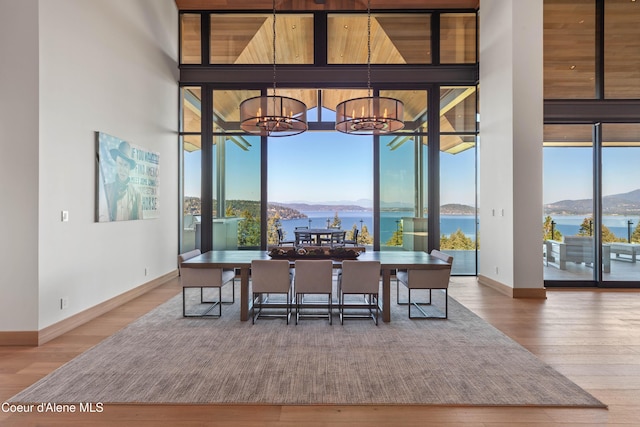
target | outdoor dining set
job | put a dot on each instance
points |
(332, 236)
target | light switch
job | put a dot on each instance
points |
(65, 216)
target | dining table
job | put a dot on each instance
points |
(389, 262)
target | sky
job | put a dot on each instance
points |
(568, 172)
(321, 167)
(325, 167)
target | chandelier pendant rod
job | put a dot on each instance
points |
(370, 115)
(273, 115)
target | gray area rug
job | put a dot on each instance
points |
(164, 358)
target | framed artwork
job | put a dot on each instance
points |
(128, 180)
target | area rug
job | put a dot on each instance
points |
(165, 358)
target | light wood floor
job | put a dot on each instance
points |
(593, 337)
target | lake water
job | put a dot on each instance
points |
(388, 222)
(568, 225)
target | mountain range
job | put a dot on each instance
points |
(448, 209)
(615, 204)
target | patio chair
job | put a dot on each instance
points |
(354, 240)
(303, 237)
(281, 241)
(335, 239)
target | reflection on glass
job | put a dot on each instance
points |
(457, 112)
(567, 225)
(236, 181)
(395, 38)
(191, 194)
(191, 114)
(399, 191)
(621, 200)
(248, 38)
(458, 213)
(458, 38)
(190, 38)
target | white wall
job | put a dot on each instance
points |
(104, 65)
(511, 133)
(110, 66)
(19, 165)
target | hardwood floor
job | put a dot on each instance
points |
(591, 336)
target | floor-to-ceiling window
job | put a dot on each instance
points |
(319, 180)
(386, 187)
(458, 177)
(568, 203)
(592, 55)
(621, 201)
(191, 167)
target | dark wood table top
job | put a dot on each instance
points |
(388, 259)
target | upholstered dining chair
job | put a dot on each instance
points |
(313, 277)
(359, 278)
(270, 276)
(203, 278)
(426, 280)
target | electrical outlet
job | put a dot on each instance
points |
(146, 271)
(64, 216)
(64, 303)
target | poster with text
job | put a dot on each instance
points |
(128, 180)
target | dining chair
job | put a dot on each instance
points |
(303, 237)
(359, 278)
(354, 240)
(195, 252)
(336, 238)
(281, 241)
(203, 278)
(270, 277)
(313, 277)
(185, 256)
(426, 280)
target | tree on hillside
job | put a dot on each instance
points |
(273, 223)
(635, 236)
(337, 222)
(457, 240)
(586, 229)
(248, 230)
(396, 237)
(546, 230)
(364, 238)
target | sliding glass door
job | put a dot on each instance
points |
(590, 187)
